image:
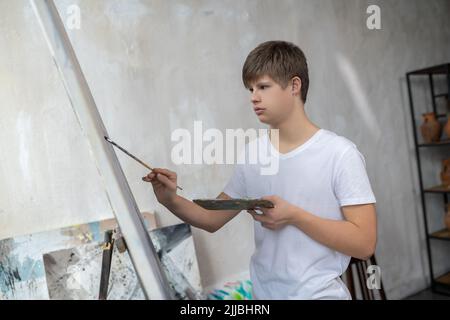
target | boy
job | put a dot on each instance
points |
(324, 208)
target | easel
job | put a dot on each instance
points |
(142, 252)
(112, 237)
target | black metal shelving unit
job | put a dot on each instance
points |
(441, 283)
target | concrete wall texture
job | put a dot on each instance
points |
(155, 66)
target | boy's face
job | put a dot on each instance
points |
(271, 103)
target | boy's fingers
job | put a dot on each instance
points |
(148, 177)
(257, 211)
(166, 172)
(268, 226)
(252, 212)
(166, 181)
(161, 176)
(255, 216)
(258, 217)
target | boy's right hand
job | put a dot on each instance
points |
(164, 184)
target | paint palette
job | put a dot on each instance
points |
(233, 204)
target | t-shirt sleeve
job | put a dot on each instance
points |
(235, 187)
(351, 183)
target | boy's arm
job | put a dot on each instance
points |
(355, 236)
(193, 214)
(164, 184)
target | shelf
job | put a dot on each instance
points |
(445, 142)
(439, 284)
(444, 279)
(440, 69)
(443, 234)
(437, 189)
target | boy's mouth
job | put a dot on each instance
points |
(259, 110)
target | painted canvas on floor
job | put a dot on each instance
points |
(75, 273)
(22, 271)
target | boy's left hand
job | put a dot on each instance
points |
(277, 217)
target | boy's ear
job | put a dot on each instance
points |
(296, 86)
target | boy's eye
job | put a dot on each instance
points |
(261, 87)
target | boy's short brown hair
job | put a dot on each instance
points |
(281, 61)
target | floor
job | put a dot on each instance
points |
(427, 294)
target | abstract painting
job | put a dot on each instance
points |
(75, 273)
(66, 263)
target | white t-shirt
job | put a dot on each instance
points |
(320, 176)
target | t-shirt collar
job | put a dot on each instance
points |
(298, 149)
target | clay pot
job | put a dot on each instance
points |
(445, 173)
(431, 129)
(447, 127)
(447, 217)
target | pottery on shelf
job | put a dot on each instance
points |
(447, 127)
(445, 173)
(431, 128)
(447, 124)
(447, 217)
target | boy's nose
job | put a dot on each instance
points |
(254, 98)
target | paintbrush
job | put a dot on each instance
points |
(132, 156)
